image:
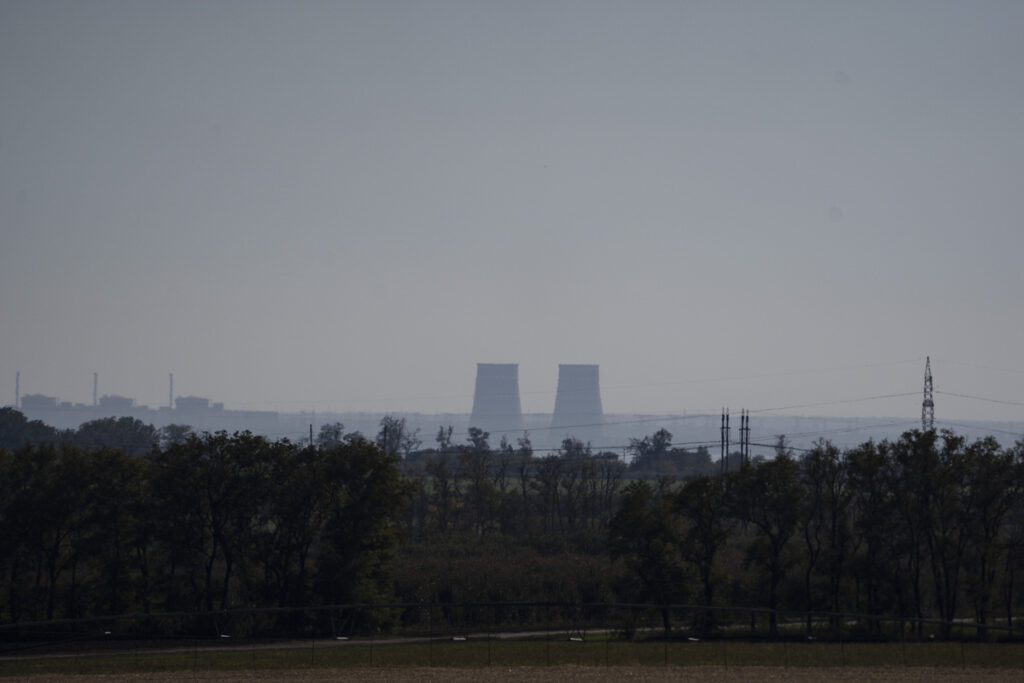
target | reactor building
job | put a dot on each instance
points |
(578, 413)
(496, 406)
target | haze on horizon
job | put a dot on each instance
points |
(345, 206)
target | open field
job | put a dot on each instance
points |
(494, 659)
(714, 674)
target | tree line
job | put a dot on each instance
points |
(207, 522)
(929, 525)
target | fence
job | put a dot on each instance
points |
(499, 634)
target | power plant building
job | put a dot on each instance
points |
(496, 407)
(578, 412)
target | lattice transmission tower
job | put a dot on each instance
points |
(927, 405)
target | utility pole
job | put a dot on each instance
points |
(927, 405)
(727, 437)
(748, 436)
(724, 460)
(745, 436)
(721, 438)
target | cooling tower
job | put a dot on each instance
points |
(496, 400)
(578, 410)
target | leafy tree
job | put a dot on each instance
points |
(480, 492)
(651, 453)
(547, 476)
(874, 522)
(767, 495)
(16, 431)
(701, 503)
(444, 439)
(645, 534)
(128, 434)
(50, 515)
(113, 501)
(291, 521)
(330, 435)
(914, 463)
(825, 524)
(360, 532)
(576, 472)
(609, 470)
(947, 534)
(173, 434)
(210, 490)
(994, 483)
(394, 436)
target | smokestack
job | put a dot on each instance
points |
(95, 386)
(170, 394)
(496, 398)
(578, 411)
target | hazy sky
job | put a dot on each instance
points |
(347, 205)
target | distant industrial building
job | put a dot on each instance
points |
(38, 402)
(116, 403)
(195, 404)
(197, 412)
(578, 412)
(496, 407)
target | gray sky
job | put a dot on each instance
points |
(347, 205)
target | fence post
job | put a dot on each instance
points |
(252, 639)
(903, 643)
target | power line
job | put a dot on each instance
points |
(833, 403)
(1018, 434)
(605, 388)
(774, 375)
(691, 416)
(847, 430)
(981, 366)
(980, 398)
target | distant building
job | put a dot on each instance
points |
(38, 402)
(496, 407)
(199, 413)
(191, 403)
(116, 403)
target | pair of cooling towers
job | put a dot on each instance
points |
(496, 407)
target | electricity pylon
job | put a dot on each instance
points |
(927, 405)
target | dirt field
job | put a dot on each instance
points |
(552, 674)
